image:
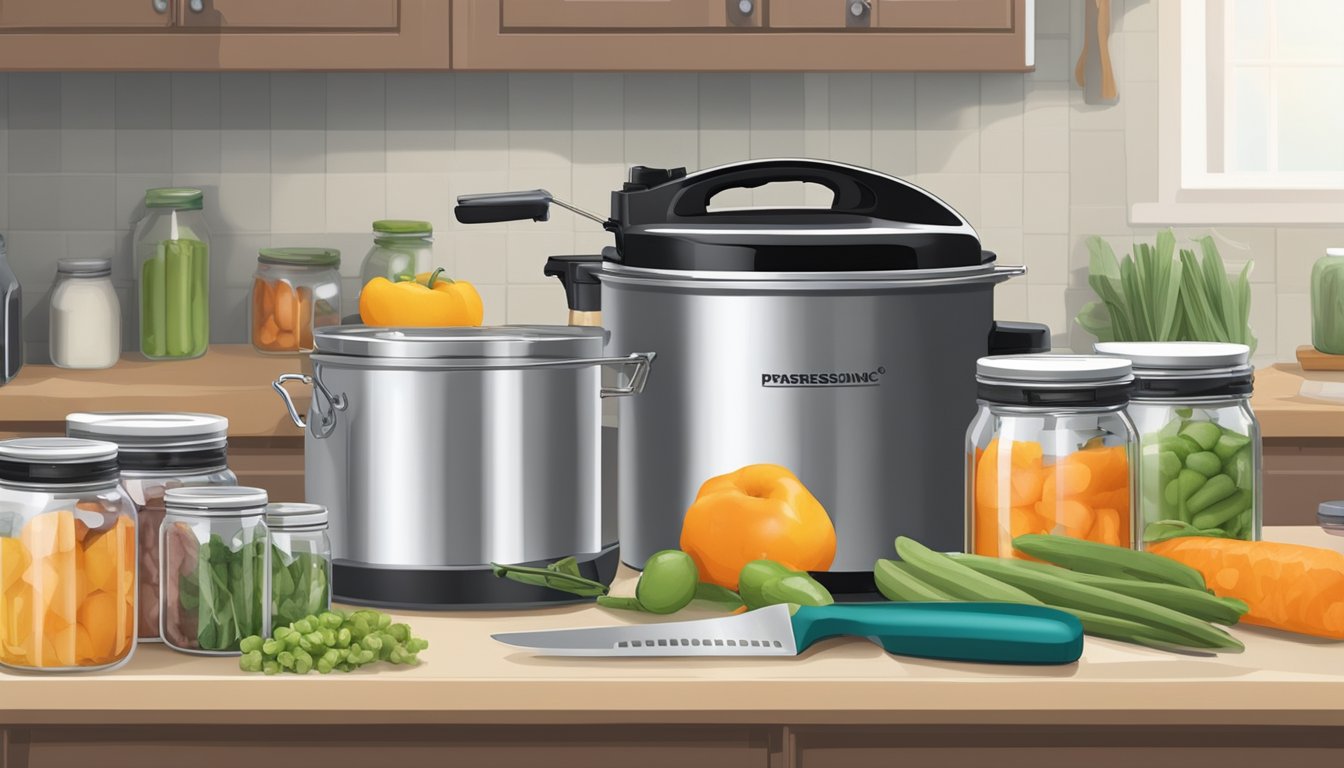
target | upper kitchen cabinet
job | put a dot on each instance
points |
(221, 35)
(743, 35)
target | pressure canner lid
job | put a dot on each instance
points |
(466, 346)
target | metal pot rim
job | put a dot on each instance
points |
(617, 274)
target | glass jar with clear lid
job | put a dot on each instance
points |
(172, 258)
(157, 452)
(1050, 450)
(300, 561)
(294, 290)
(1199, 468)
(214, 565)
(402, 249)
(67, 556)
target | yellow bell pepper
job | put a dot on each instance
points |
(427, 301)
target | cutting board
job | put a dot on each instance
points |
(1312, 359)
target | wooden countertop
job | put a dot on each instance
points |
(465, 677)
(1284, 413)
(232, 380)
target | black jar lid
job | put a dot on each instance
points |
(1050, 380)
(1185, 369)
(58, 461)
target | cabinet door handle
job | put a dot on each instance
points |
(745, 7)
(858, 13)
(160, 6)
(196, 6)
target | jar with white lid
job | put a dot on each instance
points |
(214, 563)
(67, 556)
(300, 561)
(1199, 473)
(85, 315)
(1050, 450)
(157, 452)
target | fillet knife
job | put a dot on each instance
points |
(996, 633)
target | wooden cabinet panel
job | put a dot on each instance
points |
(943, 14)
(625, 14)
(1298, 474)
(685, 35)
(363, 15)
(81, 14)
(245, 35)
(893, 15)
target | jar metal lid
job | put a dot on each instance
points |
(301, 257)
(403, 227)
(84, 267)
(1177, 355)
(290, 516)
(179, 198)
(132, 430)
(1334, 251)
(57, 461)
(467, 345)
(1051, 370)
(216, 499)
(1331, 512)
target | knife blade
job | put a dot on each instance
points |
(998, 633)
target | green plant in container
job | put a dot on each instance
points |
(1159, 295)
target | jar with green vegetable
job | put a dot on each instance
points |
(214, 567)
(1199, 469)
(300, 561)
(1327, 302)
(402, 249)
(172, 254)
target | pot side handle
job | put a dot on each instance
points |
(641, 362)
(1010, 338)
(279, 386)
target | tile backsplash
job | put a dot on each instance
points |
(312, 159)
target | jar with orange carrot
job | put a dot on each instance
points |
(1050, 450)
(294, 290)
(67, 556)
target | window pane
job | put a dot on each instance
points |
(1311, 119)
(1247, 131)
(1249, 34)
(1309, 29)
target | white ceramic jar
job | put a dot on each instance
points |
(85, 315)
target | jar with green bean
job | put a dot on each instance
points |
(1327, 302)
(1199, 468)
(172, 251)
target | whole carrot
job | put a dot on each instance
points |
(1287, 586)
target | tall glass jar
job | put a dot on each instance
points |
(214, 562)
(401, 250)
(172, 256)
(1199, 472)
(67, 556)
(300, 561)
(158, 451)
(1050, 451)
(85, 315)
(1327, 302)
(294, 290)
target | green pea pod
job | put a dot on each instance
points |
(720, 597)
(753, 577)
(620, 603)
(555, 579)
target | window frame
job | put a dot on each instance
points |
(1187, 192)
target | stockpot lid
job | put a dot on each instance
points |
(1054, 380)
(1173, 369)
(515, 342)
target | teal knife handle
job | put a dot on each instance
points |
(997, 633)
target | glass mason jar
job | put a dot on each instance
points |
(172, 257)
(401, 250)
(1050, 451)
(294, 290)
(67, 556)
(1327, 302)
(300, 561)
(214, 557)
(85, 315)
(1199, 471)
(158, 451)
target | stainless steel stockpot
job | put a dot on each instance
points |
(439, 451)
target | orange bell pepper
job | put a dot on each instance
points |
(427, 301)
(759, 512)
